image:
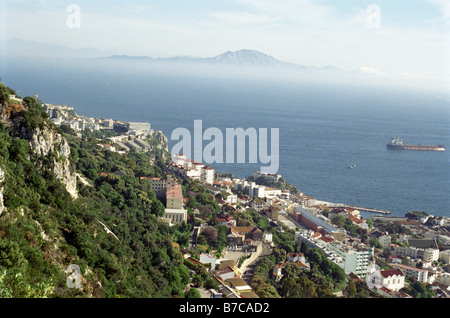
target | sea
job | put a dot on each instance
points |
(324, 126)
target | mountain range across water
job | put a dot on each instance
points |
(244, 57)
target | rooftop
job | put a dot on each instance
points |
(316, 220)
(423, 243)
(391, 272)
(175, 192)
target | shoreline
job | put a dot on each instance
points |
(365, 210)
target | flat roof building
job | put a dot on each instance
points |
(176, 216)
(313, 222)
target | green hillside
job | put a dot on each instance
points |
(46, 225)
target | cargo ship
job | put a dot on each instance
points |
(397, 144)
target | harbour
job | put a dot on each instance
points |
(359, 208)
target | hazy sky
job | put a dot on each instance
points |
(398, 36)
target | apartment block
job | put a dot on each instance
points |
(174, 197)
(353, 259)
(419, 274)
(425, 252)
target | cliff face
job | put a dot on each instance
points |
(161, 140)
(50, 150)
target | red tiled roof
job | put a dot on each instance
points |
(391, 272)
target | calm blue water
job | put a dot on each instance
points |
(323, 128)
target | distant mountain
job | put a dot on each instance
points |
(22, 48)
(247, 57)
(236, 58)
(240, 58)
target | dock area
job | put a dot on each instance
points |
(361, 208)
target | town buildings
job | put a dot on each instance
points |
(185, 168)
(426, 250)
(250, 188)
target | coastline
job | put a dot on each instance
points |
(141, 129)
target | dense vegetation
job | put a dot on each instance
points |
(43, 230)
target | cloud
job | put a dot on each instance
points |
(443, 6)
(239, 18)
(293, 12)
(377, 72)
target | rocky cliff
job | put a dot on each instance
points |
(50, 150)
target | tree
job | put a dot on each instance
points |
(210, 233)
(297, 286)
(192, 293)
(280, 255)
(4, 94)
(264, 289)
(157, 208)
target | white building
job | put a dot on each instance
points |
(352, 260)
(419, 274)
(430, 255)
(271, 192)
(382, 238)
(427, 254)
(207, 175)
(176, 216)
(190, 169)
(138, 126)
(268, 237)
(179, 159)
(208, 259)
(385, 240)
(394, 279)
(250, 188)
(231, 198)
(259, 191)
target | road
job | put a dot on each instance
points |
(250, 269)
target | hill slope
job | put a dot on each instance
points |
(51, 222)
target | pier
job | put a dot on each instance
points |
(361, 208)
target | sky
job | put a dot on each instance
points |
(405, 37)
